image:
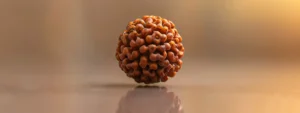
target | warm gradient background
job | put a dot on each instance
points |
(58, 45)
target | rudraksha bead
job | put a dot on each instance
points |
(150, 50)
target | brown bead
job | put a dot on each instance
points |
(172, 31)
(177, 35)
(156, 41)
(168, 68)
(132, 35)
(125, 61)
(165, 55)
(130, 23)
(160, 57)
(140, 21)
(152, 74)
(125, 50)
(129, 56)
(177, 67)
(146, 31)
(124, 67)
(176, 40)
(135, 54)
(118, 50)
(179, 46)
(161, 29)
(161, 48)
(163, 38)
(171, 56)
(136, 72)
(156, 34)
(139, 27)
(137, 79)
(153, 66)
(175, 31)
(137, 21)
(152, 48)
(148, 24)
(153, 57)
(130, 74)
(180, 39)
(176, 59)
(135, 65)
(179, 62)
(143, 59)
(182, 49)
(161, 63)
(128, 66)
(143, 62)
(146, 72)
(143, 49)
(148, 20)
(166, 62)
(167, 24)
(175, 50)
(145, 17)
(124, 40)
(180, 54)
(172, 43)
(133, 44)
(158, 22)
(172, 24)
(125, 70)
(164, 29)
(143, 22)
(121, 56)
(152, 26)
(164, 21)
(168, 46)
(140, 41)
(154, 79)
(164, 78)
(119, 43)
(171, 73)
(122, 47)
(154, 19)
(170, 36)
(160, 72)
(130, 28)
(117, 57)
(144, 78)
(149, 39)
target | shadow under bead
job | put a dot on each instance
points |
(150, 50)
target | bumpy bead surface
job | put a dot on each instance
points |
(150, 50)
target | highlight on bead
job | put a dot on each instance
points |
(150, 50)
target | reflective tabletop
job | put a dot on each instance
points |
(274, 90)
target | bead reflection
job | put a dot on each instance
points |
(150, 99)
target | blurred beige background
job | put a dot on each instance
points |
(66, 31)
(80, 36)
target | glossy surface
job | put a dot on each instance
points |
(255, 89)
